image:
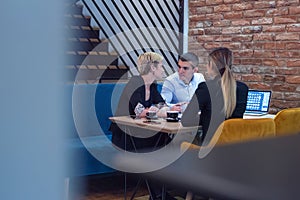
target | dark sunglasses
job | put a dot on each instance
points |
(184, 68)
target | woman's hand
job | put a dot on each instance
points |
(176, 108)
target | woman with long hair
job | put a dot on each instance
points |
(218, 99)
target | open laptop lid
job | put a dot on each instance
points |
(258, 101)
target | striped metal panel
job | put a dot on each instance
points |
(136, 26)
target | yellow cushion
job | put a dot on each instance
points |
(239, 130)
(287, 121)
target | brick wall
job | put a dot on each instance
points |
(264, 36)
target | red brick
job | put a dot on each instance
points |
(263, 70)
(242, 6)
(274, 45)
(212, 31)
(292, 96)
(262, 21)
(263, 37)
(259, 86)
(204, 10)
(231, 1)
(222, 8)
(293, 63)
(244, 69)
(223, 38)
(273, 78)
(254, 13)
(283, 3)
(232, 30)
(214, 17)
(269, 45)
(204, 38)
(197, 18)
(263, 54)
(244, 53)
(287, 36)
(212, 45)
(277, 95)
(253, 45)
(252, 78)
(274, 28)
(285, 20)
(294, 10)
(222, 23)
(240, 22)
(198, 3)
(213, 2)
(277, 11)
(280, 45)
(282, 104)
(270, 62)
(293, 79)
(251, 61)
(293, 28)
(287, 71)
(232, 45)
(197, 31)
(233, 15)
(288, 54)
(242, 38)
(251, 29)
(236, 61)
(264, 4)
(284, 87)
(293, 45)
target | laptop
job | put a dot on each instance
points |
(258, 102)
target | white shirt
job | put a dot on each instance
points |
(175, 90)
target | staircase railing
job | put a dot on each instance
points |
(133, 27)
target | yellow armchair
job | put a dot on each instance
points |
(287, 121)
(239, 130)
(234, 131)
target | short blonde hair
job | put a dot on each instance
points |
(145, 61)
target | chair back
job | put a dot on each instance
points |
(239, 130)
(287, 121)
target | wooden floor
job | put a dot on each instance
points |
(111, 187)
(108, 187)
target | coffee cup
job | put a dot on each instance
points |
(172, 114)
(151, 114)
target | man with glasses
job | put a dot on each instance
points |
(179, 87)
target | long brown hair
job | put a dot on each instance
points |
(222, 62)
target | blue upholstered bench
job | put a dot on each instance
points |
(88, 108)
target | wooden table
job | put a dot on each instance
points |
(159, 124)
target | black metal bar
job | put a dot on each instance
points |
(146, 26)
(171, 12)
(136, 24)
(166, 17)
(104, 32)
(128, 25)
(181, 25)
(161, 23)
(111, 28)
(120, 27)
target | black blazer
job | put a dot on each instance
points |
(208, 99)
(134, 93)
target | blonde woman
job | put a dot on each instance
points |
(220, 98)
(139, 96)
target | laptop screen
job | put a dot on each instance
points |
(258, 100)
